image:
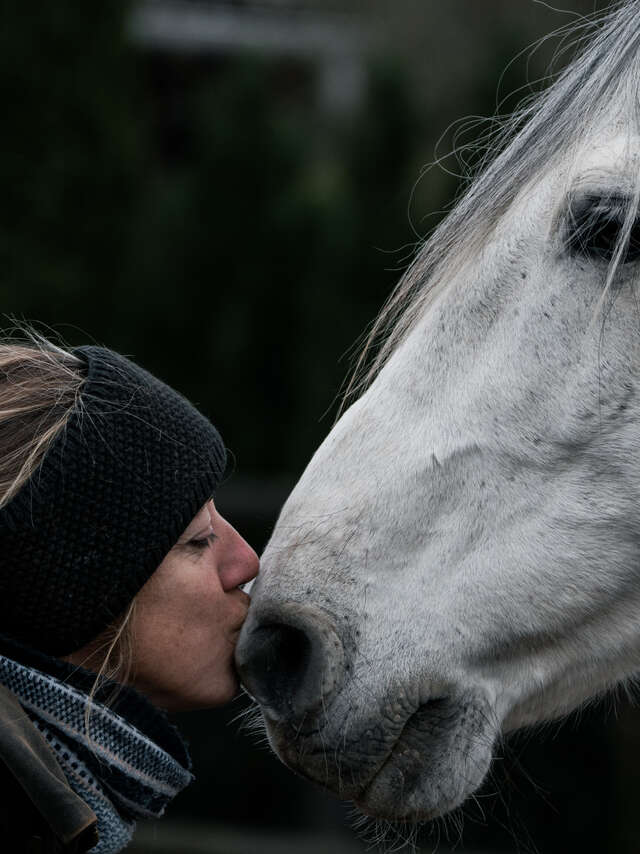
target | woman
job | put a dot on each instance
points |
(120, 593)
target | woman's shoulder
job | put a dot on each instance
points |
(39, 812)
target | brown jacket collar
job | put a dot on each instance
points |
(32, 764)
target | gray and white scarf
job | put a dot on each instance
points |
(117, 769)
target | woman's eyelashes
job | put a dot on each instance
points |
(202, 542)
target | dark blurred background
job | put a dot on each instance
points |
(227, 192)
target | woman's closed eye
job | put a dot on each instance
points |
(202, 542)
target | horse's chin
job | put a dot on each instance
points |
(425, 777)
(437, 758)
(407, 790)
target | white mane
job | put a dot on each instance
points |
(602, 81)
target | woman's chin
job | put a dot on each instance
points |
(208, 694)
(217, 693)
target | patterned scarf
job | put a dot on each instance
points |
(118, 768)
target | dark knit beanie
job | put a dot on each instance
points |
(114, 492)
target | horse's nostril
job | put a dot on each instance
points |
(291, 666)
(279, 661)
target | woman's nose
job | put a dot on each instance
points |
(239, 564)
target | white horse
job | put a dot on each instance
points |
(461, 558)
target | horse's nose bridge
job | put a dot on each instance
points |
(290, 658)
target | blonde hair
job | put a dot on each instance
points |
(40, 386)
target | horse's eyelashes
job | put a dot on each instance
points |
(596, 224)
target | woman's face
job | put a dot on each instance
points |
(189, 614)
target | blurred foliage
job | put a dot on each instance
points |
(70, 161)
(201, 215)
(252, 241)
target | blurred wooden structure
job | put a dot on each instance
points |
(334, 41)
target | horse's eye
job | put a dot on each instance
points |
(595, 224)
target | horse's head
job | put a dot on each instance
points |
(461, 556)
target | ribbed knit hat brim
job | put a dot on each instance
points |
(112, 496)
